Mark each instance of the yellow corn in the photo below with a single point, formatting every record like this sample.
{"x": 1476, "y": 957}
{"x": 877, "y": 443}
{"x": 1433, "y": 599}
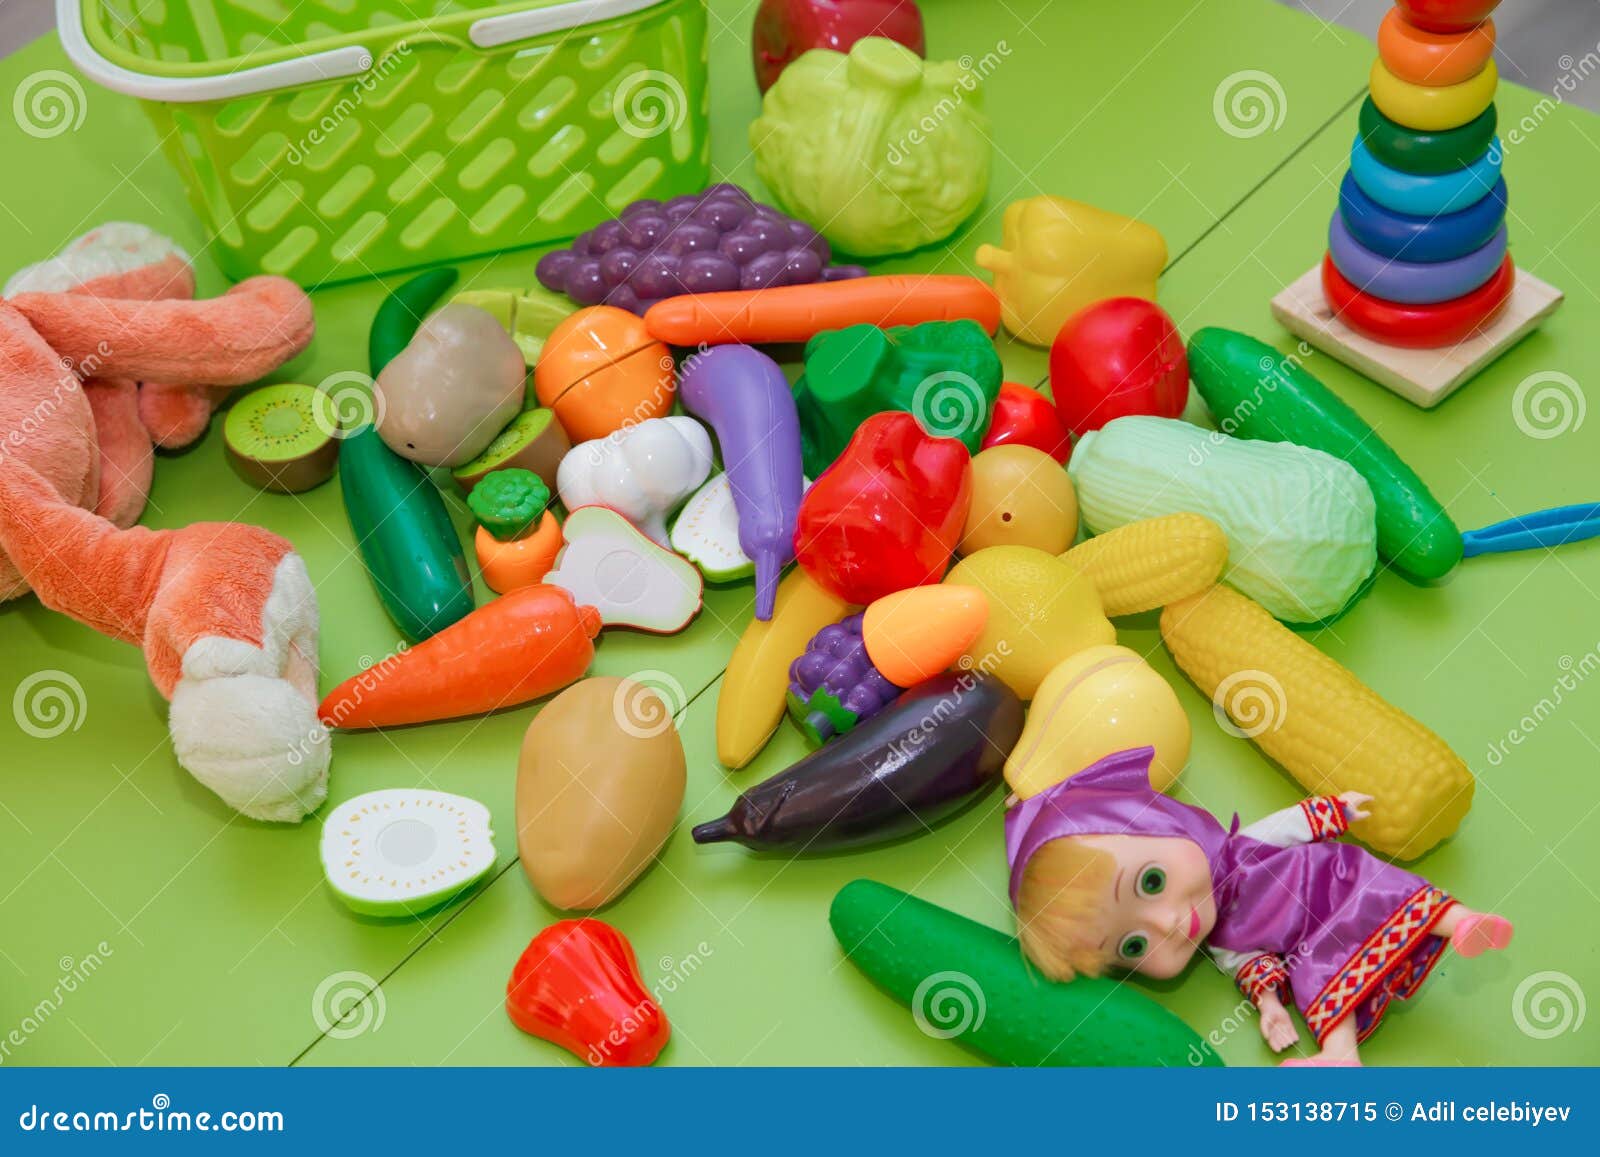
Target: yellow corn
{"x": 1328, "y": 729}
{"x": 1152, "y": 562}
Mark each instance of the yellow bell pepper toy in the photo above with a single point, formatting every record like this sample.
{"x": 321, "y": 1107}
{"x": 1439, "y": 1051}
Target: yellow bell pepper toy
{"x": 1057, "y": 256}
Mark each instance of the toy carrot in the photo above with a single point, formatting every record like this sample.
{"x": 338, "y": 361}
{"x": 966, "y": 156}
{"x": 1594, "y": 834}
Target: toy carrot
{"x": 523, "y": 645}
{"x": 518, "y": 539}
{"x": 791, "y": 313}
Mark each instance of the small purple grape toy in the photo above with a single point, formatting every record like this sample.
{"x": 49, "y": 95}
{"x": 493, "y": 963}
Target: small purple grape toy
{"x": 833, "y": 685}
{"x": 698, "y": 243}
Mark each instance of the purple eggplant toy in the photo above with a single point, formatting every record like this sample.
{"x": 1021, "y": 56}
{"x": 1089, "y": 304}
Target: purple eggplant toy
{"x": 745, "y": 398}
{"x": 833, "y": 684}
{"x": 934, "y": 751}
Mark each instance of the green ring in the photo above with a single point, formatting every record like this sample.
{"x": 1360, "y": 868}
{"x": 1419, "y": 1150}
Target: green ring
{"x": 1426, "y": 153}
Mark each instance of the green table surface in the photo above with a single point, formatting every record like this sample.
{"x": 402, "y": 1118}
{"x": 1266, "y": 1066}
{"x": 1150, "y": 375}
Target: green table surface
{"x": 213, "y": 940}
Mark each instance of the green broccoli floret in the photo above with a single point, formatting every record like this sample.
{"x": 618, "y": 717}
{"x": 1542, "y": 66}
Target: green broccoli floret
{"x": 507, "y": 503}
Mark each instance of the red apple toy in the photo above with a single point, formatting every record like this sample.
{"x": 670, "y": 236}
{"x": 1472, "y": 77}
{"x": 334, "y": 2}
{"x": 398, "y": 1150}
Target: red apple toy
{"x": 1024, "y": 417}
{"x": 786, "y": 28}
{"x": 1446, "y": 15}
{"x": 1114, "y": 358}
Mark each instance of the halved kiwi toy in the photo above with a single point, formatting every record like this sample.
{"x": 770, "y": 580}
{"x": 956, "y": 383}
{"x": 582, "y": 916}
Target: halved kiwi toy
{"x": 533, "y": 440}
{"x": 281, "y": 438}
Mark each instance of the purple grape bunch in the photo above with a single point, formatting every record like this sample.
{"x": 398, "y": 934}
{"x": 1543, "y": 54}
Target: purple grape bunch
{"x": 698, "y": 243}
{"x": 833, "y": 684}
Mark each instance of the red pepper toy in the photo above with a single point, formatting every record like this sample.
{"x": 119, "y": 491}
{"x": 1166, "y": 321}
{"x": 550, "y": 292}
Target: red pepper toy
{"x": 577, "y": 984}
{"x": 1025, "y": 417}
{"x": 888, "y": 513}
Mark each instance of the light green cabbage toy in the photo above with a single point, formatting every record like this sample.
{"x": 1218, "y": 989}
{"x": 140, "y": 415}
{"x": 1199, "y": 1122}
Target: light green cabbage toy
{"x": 1302, "y": 534}
{"x": 879, "y": 150}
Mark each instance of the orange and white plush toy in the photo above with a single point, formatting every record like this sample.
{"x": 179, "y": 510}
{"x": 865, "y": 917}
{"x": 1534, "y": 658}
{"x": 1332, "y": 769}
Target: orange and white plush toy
{"x": 103, "y": 355}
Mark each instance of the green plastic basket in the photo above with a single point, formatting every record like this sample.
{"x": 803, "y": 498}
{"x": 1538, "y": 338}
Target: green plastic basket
{"x": 327, "y": 140}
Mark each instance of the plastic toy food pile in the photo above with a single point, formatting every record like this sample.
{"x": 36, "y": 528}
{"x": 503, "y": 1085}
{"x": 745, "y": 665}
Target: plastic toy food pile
{"x": 1417, "y": 252}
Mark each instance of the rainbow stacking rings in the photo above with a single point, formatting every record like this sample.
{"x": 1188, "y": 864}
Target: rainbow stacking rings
{"x": 1418, "y": 56}
{"x": 1414, "y": 151}
{"x": 1420, "y": 239}
{"x": 1417, "y": 326}
{"x": 1412, "y": 282}
{"x": 1420, "y": 106}
{"x": 1424, "y": 196}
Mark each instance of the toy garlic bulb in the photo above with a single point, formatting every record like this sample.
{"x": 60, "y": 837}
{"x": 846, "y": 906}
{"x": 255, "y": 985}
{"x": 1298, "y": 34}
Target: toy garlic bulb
{"x": 643, "y": 472}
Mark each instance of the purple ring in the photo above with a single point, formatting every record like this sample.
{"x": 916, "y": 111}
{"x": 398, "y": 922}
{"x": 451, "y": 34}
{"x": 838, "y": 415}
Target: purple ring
{"x": 1412, "y": 282}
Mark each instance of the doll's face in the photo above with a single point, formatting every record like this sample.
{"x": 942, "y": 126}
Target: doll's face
{"x": 1159, "y": 906}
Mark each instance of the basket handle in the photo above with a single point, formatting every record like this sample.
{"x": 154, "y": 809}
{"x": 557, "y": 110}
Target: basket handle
{"x": 352, "y": 60}
{"x": 495, "y": 31}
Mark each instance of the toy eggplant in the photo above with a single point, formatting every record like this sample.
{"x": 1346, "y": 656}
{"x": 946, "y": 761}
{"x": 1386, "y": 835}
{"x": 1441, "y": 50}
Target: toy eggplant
{"x": 934, "y": 751}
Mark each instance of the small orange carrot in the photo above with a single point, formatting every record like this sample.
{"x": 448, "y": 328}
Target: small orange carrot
{"x": 522, "y": 645}
{"x": 791, "y": 313}
{"x": 518, "y": 562}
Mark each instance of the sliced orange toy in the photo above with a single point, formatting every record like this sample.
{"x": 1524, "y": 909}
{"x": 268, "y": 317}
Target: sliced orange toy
{"x": 914, "y": 634}
{"x": 601, "y": 370}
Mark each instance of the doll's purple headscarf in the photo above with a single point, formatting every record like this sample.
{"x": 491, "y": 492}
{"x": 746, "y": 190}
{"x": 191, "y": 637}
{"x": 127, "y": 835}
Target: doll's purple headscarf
{"x": 1110, "y": 797}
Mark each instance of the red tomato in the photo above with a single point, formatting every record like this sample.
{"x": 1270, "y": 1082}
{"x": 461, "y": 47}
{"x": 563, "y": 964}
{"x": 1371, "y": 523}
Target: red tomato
{"x": 1024, "y": 417}
{"x": 1114, "y": 358}
{"x": 1446, "y": 15}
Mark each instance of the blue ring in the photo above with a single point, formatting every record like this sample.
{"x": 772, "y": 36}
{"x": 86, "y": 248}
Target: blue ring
{"x": 1412, "y": 282}
{"x": 1391, "y": 234}
{"x": 1418, "y": 196}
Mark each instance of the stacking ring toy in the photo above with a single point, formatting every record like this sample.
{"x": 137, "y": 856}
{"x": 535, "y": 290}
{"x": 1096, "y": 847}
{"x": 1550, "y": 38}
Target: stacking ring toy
{"x": 1420, "y": 196}
{"x": 1415, "y": 151}
{"x": 1412, "y": 282}
{"x": 1420, "y": 239}
{"x": 1418, "y": 56}
{"x": 1421, "y": 107}
{"x": 1446, "y": 15}
{"x": 1417, "y": 327}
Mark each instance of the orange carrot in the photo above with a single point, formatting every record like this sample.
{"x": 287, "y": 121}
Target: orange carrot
{"x": 789, "y": 313}
{"x": 518, "y": 562}
{"x": 523, "y": 645}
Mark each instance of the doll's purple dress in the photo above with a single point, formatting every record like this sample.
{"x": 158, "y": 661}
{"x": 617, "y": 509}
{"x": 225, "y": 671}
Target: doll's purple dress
{"x": 1346, "y": 930}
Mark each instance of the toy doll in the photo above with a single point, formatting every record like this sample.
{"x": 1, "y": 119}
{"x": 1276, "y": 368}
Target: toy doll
{"x": 1106, "y": 872}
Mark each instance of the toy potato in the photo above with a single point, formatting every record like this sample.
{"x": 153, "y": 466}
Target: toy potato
{"x": 1108, "y": 873}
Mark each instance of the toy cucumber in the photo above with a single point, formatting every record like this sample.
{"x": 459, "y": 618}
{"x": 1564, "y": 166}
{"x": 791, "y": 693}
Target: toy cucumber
{"x": 968, "y": 982}
{"x": 1254, "y": 392}
{"x": 407, "y": 541}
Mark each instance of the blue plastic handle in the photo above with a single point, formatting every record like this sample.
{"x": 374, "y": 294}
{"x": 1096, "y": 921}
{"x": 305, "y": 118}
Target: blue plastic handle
{"x": 1542, "y": 528}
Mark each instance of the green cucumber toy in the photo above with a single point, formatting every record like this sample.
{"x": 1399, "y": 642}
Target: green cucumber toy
{"x": 966, "y": 981}
{"x": 1254, "y": 392}
{"x": 407, "y": 541}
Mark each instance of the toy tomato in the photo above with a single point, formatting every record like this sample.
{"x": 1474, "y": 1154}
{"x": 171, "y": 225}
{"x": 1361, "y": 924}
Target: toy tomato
{"x": 577, "y": 985}
{"x": 1114, "y": 358}
{"x": 1446, "y": 15}
{"x": 1024, "y": 417}
{"x": 888, "y": 513}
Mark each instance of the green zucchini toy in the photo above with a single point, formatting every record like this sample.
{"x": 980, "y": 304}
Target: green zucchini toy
{"x": 966, "y": 981}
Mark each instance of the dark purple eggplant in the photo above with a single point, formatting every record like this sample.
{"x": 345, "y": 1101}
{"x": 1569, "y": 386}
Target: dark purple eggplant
{"x": 934, "y": 750}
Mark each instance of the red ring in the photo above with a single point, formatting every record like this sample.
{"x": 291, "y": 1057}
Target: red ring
{"x": 1417, "y": 327}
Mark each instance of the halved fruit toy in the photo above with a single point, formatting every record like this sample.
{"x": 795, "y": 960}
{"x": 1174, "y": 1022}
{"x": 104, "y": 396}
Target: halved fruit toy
{"x": 533, "y": 440}
{"x": 403, "y": 852}
{"x": 706, "y": 532}
{"x": 283, "y": 438}
{"x": 611, "y": 565}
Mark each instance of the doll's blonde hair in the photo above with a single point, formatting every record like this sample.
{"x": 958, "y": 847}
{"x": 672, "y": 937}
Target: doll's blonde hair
{"x": 1059, "y": 904}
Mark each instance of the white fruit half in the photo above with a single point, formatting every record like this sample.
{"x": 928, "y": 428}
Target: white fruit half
{"x": 402, "y": 852}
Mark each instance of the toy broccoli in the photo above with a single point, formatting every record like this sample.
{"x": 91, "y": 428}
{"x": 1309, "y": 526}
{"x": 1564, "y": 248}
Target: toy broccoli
{"x": 507, "y": 503}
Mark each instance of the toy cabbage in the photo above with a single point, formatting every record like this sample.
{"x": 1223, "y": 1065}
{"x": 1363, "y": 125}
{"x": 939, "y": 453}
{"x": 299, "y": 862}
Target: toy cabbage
{"x": 879, "y": 150}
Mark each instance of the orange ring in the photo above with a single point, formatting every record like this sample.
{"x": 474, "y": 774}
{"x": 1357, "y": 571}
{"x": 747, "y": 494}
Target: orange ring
{"x": 1417, "y": 327}
{"x": 1434, "y": 59}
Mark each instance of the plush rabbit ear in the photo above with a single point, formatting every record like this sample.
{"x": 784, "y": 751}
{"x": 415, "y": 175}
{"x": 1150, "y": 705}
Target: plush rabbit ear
{"x": 227, "y": 341}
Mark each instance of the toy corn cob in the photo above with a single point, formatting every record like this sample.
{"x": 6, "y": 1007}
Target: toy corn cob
{"x": 1329, "y": 730}
{"x": 1152, "y": 562}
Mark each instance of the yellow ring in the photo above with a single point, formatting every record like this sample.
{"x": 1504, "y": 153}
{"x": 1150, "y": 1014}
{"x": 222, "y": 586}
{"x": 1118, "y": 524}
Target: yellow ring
{"x": 1431, "y": 109}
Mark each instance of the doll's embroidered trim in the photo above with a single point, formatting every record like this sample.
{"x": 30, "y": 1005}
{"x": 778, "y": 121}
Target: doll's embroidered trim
{"x": 1393, "y": 962}
{"x": 1325, "y": 816}
{"x": 1260, "y": 975}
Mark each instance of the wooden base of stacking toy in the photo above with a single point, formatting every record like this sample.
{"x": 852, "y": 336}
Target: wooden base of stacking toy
{"x": 1423, "y": 377}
